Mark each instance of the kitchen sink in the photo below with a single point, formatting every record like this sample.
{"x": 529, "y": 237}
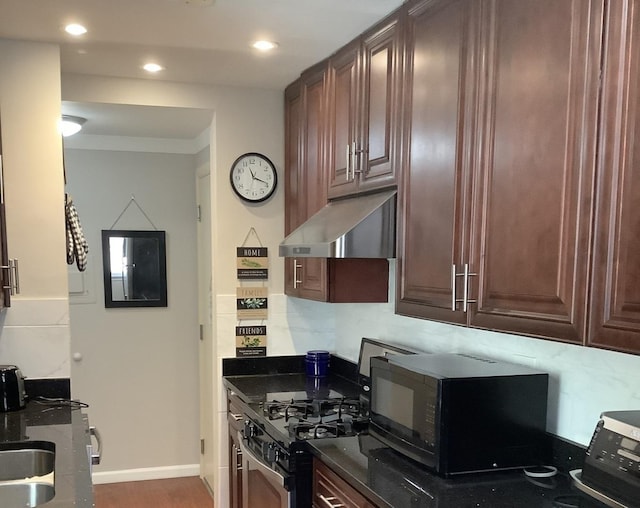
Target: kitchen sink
{"x": 27, "y": 470}
{"x": 25, "y": 495}
{"x": 26, "y": 459}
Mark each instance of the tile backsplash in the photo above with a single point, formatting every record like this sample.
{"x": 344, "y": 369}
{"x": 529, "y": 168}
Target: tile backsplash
{"x": 35, "y": 336}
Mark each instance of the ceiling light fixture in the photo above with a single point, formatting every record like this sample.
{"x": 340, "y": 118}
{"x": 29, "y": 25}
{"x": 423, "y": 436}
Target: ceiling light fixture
{"x": 75, "y": 29}
{"x": 265, "y": 45}
{"x": 70, "y": 125}
{"x": 152, "y": 67}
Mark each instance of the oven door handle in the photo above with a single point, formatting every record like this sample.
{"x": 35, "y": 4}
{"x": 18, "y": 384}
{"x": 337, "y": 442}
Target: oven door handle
{"x": 272, "y": 475}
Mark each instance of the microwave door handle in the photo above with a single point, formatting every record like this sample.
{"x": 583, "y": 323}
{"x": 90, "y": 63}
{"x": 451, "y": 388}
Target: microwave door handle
{"x": 273, "y": 476}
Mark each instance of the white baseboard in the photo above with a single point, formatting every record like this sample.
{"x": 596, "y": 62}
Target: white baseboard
{"x": 146, "y": 473}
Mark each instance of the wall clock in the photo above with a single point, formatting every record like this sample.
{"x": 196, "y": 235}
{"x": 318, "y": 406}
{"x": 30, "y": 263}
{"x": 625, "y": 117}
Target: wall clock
{"x": 253, "y": 177}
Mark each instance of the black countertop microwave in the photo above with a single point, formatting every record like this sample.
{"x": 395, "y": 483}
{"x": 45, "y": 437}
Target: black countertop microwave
{"x": 458, "y": 413}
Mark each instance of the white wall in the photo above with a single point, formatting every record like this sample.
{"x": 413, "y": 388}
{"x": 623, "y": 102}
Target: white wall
{"x": 139, "y": 365}
{"x": 584, "y": 381}
{"x": 245, "y": 120}
{"x": 34, "y": 332}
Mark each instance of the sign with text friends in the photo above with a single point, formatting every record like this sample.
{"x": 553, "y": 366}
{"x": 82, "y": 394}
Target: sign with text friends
{"x": 251, "y": 341}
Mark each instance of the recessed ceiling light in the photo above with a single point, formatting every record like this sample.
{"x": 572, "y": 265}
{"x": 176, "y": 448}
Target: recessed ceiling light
{"x": 70, "y": 125}
{"x": 75, "y": 29}
{"x": 152, "y": 67}
{"x": 265, "y": 45}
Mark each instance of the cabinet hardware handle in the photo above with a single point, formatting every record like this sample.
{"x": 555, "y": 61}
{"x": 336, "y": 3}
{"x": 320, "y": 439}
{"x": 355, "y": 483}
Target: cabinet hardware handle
{"x": 465, "y": 291}
{"x": 13, "y": 276}
{"x": 453, "y": 287}
{"x": 96, "y": 457}
{"x": 354, "y": 161}
{"x": 295, "y": 274}
{"x": 455, "y": 301}
{"x": 328, "y": 501}
{"x": 235, "y": 450}
{"x": 348, "y": 161}
{"x": 465, "y": 296}
{"x": 237, "y": 417}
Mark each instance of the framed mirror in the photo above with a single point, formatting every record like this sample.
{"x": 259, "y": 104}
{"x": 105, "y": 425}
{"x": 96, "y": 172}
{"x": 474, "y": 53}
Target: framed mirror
{"x": 135, "y": 268}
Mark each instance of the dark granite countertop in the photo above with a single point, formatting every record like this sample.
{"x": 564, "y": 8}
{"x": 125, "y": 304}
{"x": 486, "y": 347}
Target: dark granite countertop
{"x": 68, "y": 429}
{"x": 391, "y": 480}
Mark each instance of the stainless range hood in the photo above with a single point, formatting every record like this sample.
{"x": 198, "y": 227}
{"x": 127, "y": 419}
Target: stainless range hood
{"x": 358, "y": 227}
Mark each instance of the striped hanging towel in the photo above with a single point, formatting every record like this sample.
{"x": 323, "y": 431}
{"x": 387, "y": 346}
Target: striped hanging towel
{"x": 77, "y": 247}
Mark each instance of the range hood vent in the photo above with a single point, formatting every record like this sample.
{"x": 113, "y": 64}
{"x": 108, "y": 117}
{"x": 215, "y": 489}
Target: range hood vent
{"x": 358, "y": 227}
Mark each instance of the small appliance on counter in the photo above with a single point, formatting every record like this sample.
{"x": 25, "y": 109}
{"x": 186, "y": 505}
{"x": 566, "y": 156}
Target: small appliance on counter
{"x": 12, "y": 394}
{"x": 458, "y": 413}
{"x": 611, "y": 471}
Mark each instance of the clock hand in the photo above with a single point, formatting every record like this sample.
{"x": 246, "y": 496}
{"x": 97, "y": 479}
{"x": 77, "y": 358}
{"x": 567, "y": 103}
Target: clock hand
{"x": 260, "y": 180}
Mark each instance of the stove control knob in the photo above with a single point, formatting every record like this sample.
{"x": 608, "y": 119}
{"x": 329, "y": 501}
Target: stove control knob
{"x": 249, "y": 429}
{"x": 272, "y": 453}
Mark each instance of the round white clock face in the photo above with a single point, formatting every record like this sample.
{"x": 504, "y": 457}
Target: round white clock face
{"x": 253, "y": 177}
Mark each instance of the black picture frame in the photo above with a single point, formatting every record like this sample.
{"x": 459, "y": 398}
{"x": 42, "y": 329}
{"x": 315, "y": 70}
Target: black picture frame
{"x": 141, "y": 278}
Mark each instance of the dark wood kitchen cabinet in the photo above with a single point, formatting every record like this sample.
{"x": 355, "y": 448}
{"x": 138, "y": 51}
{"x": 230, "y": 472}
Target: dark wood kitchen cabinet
{"x": 329, "y": 490}
{"x": 364, "y": 111}
{"x": 615, "y": 297}
{"x": 497, "y": 192}
{"x": 5, "y": 263}
{"x": 235, "y": 421}
{"x": 332, "y": 280}
{"x": 305, "y": 178}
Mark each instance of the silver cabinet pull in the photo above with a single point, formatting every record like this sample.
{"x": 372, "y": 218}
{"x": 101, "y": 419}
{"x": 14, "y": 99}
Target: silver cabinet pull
{"x": 237, "y": 417}
{"x": 465, "y": 295}
{"x": 296, "y": 281}
{"x": 96, "y": 457}
{"x": 453, "y": 287}
{"x": 13, "y": 276}
{"x": 235, "y": 450}
{"x": 353, "y": 160}
{"x": 465, "y": 291}
{"x": 348, "y": 158}
{"x": 328, "y": 501}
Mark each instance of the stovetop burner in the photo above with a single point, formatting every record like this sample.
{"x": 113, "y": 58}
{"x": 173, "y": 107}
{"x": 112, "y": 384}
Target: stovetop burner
{"x": 318, "y": 418}
{"x": 311, "y": 408}
{"x": 326, "y": 428}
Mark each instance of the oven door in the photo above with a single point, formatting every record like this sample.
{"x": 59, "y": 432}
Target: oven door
{"x": 262, "y": 487}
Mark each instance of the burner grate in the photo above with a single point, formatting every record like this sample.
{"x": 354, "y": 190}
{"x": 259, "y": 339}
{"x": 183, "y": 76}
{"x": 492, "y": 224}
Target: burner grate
{"x": 311, "y": 408}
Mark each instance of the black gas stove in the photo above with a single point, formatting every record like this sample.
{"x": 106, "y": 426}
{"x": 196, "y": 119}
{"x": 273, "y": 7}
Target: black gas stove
{"x": 277, "y": 428}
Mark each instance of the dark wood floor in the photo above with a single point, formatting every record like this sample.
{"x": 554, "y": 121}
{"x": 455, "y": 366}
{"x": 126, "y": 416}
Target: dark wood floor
{"x": 170, "y": 493}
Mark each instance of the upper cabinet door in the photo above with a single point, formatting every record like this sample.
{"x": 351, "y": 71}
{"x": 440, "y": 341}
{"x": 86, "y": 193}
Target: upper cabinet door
{"x": 343, "y": 100}
{"x": 378, "y": 159}
{"x": 615, "y": 295}
{"x": 5, "y": 279}
{"x": 365, "y": 111}
{"x": 439, "y": 100}
{"x": 534, "y": 167}
{"x": 305, "y": 177}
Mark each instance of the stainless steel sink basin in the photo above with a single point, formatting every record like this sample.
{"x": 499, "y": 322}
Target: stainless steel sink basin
{"x": 27, "y": 473}
{"x": 26, "y": 459}
{"x": 25, "y": 495}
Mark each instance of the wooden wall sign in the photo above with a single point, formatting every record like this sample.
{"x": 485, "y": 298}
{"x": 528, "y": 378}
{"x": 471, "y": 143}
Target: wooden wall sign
{"x": 251, "y": 341}
{"x": 252, "y": 302}
{"x": 252, "y": 263}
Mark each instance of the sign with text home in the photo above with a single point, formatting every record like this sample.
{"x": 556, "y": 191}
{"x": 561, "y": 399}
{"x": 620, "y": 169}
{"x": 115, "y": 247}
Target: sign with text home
{"x": 252, "y": 263}
{"x": 251, "y": 341}
{"x": 251, "y": 302}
